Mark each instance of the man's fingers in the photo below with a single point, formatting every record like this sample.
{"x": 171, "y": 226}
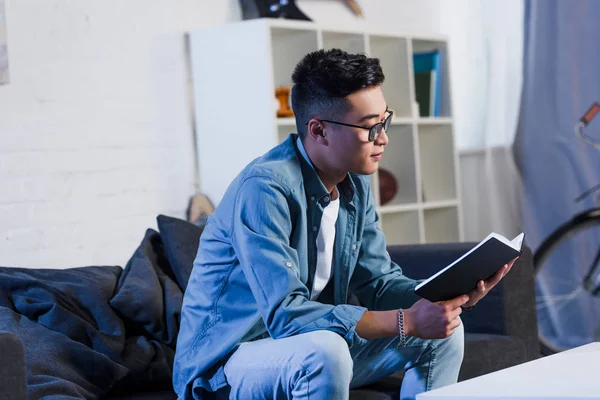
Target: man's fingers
{"x": 452, "y": 315}
{"x": 481, "y": 287}
{"x": 510, "y": 265}
{"x": 484, "y": 286}
{"x": 455, "y": 302}
{"x": 455, "y": 323}
{"x": 491, "y": 282}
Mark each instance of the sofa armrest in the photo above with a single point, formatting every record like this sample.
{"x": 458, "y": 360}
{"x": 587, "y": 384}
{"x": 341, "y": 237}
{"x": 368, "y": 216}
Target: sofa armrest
{"x": 13, "y": 375}
{"x": 509, "y": 308}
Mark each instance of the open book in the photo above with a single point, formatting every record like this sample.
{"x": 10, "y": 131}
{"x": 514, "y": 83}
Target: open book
{"x": 479, "y": 263}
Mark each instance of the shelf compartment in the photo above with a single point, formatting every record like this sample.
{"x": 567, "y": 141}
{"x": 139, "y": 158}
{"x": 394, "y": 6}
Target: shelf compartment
{"x": 398, "y": 208}
{"x": 441, "y": 225}
{"x": 401, "y": 227}
{"x": 374, "y": 186}
{"x": 287, "y": 121}
{"x": 426, "y": 45}
{"x": 289, "y": 46}
{"x": 283, "y": 131}
{"x": 350, "y": 42}
{"x": 393, "y": 55}
{"x": 436, "y": 155}
{"x": 399, "y": 160}
{"x": 440, "y": 204}
{"x": 435, "y": 121}
{"x": 401, "y": 120}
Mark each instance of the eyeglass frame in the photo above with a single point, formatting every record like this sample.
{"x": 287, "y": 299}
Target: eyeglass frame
{"x": 373, "y": 133}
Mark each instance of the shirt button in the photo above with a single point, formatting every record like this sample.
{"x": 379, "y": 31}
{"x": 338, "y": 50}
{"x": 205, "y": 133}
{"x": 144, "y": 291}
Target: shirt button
{"x": 312, "y": 198}
{"x": 326, "y": 199}
{"x": 354, "y": 246}
{"x": 288, "y": 264}
{"x": 315, "y": 228}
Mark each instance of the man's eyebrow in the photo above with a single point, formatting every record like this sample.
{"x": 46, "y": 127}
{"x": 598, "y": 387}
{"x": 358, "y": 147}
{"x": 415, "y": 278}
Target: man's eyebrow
{"x": 371, "y": 116}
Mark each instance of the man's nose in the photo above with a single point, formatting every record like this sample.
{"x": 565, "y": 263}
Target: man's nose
{"x": 383, "y": 138}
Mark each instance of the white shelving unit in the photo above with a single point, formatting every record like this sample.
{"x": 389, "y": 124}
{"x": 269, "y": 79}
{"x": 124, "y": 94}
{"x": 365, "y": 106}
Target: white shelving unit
{"x": 236, "y": 69}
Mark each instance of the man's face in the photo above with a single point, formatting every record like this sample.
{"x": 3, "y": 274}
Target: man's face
{"x": 349, "y": 148}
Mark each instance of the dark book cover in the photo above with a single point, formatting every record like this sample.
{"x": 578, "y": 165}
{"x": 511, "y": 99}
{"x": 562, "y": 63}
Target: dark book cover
{"x": 480, "y": 263}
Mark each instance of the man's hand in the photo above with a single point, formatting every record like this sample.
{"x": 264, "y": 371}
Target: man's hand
{"x": 427, "y": 320}
{"x": 483, "y": 287}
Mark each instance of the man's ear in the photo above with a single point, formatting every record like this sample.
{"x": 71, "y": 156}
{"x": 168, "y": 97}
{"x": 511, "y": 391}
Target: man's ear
{"x": 316, "y": 130}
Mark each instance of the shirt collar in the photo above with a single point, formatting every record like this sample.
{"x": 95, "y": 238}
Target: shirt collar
{"x": 315, "y": 189}
{"x": 303, "y": 152}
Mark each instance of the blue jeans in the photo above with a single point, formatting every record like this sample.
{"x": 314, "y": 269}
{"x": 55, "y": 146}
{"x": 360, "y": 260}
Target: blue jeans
{"x": 318, "y": 365}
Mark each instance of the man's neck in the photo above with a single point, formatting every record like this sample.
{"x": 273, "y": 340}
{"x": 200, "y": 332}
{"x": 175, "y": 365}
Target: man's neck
{"x": 329, "y": 178}
{"x": 329, "y": 181}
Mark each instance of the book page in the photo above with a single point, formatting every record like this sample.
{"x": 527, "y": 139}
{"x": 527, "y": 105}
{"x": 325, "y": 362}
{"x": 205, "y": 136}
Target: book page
{"x": 517, "y": 242}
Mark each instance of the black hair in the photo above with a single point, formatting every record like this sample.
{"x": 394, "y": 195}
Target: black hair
{"x": 323, "y": 79}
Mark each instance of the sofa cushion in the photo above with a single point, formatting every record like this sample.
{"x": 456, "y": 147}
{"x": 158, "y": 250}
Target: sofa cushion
{"x": 70, "y": 334}
{"x": 13, "y": 378}
{"x": 486, "y": 353}
{"x": 372, "y": 394}
{"x": 180, "y": 239}
{"x": 158, "y": 395}
{"x": 148, "y": 300}
{"x": 87, "y": 330}
{"x": 387, "y": 388}
{"x": 57, "y": 365}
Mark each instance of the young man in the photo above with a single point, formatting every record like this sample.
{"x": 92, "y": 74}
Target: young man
{"x": 265, "y": 309}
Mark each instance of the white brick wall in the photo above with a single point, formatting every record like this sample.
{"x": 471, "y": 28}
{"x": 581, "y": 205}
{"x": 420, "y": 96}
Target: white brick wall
{"x": 95, "y": 126}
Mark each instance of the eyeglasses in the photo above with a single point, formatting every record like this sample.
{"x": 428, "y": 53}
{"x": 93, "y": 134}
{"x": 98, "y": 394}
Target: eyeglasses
{"x": 374, "y": 131}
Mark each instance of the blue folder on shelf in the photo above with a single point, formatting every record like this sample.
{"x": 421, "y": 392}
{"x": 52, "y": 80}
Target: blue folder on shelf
{"x": 427, "y": 68}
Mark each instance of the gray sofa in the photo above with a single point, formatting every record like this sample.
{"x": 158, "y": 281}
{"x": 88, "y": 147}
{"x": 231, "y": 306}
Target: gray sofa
{"x": 500, "y": 332}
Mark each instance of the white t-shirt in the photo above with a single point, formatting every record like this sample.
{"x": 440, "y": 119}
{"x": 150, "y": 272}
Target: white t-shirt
{"x": 325, "y": 239}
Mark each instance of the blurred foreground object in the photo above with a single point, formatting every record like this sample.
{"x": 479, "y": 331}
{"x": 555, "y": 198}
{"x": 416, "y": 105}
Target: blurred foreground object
{"x": 199, "y": 208}
{"x": 272, "y": 9}
{"x": 355, "y": 7}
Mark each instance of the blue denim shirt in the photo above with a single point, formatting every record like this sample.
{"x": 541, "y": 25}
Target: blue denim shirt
{"x": 256, "y": 262}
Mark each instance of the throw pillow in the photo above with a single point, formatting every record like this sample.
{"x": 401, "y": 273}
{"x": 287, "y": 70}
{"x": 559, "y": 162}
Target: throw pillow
{"x": 180, "y": 239}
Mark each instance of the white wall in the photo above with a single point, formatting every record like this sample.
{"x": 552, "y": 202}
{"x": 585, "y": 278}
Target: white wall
{"x": 486, "y": 45}
{"x": 95, "y": 126}
{"x": 398, "y": 16}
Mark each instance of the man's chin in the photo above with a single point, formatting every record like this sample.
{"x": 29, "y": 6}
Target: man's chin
{"x": 366, "y": 170}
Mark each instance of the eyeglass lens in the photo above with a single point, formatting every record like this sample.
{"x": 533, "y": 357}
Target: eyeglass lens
{"x": 376, "y": 129}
